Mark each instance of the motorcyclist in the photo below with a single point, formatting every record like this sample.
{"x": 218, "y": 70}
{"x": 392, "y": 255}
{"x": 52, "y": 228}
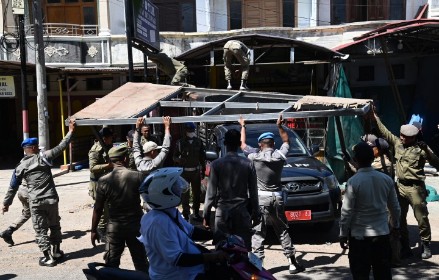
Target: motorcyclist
{"x": 167, "y": 236}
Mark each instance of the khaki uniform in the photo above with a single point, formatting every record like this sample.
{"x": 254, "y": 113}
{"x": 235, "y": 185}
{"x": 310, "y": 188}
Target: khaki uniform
{"x": 410, "y": 162}
{"x": 98, "y": 160}
{"x": 131, "y": 163}
{"x": 240, "y": 51}
{"x": 120, "y": 189}
{"x": 191, "y": 155}
{"x": 175, "y": 69}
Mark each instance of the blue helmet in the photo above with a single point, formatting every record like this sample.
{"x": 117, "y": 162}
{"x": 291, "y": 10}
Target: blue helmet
{"x": 265, "y": 135}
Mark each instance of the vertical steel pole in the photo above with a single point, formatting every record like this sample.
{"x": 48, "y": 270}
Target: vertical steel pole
{"x": 128, "y": 29}
{"x": 40, "y": 65}
{"x": 24, "y": 99}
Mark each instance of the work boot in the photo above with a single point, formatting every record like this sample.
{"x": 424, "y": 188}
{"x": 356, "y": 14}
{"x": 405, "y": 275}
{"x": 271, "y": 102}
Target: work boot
{"x": 57, "y": 253}
{"x": 7, "y": 236}
{"x": 426, "y": 251}
{"x": 47, "y": 260}
{"x": 295, "y": 266}
{"x": 243, "y": 85}
{"x": 229, "y": 86}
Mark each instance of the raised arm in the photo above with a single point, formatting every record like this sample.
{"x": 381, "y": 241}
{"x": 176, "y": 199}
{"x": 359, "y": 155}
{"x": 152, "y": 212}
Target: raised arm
{"x": 392, "y": 139}
{"x": 283, "y": 134}
{"x": 243, "y": 136}
{"x": 55, "y": 152}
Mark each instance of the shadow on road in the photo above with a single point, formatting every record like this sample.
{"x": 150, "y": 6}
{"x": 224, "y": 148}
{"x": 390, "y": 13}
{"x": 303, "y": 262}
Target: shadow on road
{"x": 8, "y": 276}
{"x": 84, "y": 253}
{"x": 74, "y": 234}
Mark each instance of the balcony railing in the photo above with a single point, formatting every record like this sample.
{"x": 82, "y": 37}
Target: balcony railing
{"x": 60, "y": 29}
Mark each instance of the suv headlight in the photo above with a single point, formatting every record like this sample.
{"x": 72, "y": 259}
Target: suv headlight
{"x": 331, "y": 182}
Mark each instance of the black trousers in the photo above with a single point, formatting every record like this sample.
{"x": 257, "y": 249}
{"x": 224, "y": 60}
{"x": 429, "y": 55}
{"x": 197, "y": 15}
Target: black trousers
{"x": 371, "y": 252}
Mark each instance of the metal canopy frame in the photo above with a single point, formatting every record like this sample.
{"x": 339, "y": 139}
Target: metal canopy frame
{"x": 285, "y": 106}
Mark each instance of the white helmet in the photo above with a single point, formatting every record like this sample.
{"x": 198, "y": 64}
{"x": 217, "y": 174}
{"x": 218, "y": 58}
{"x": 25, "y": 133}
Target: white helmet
{"x": 162, "y": 188}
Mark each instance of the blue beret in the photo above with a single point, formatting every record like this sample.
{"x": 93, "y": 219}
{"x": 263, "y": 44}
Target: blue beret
{"x": 266, "y": 135}
{"x": 190, "y": 125}
{"x": 29, "y": 142}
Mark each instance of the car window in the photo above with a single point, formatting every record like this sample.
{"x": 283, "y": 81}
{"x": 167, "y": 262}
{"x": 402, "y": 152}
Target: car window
{"x": 297, "y": 148}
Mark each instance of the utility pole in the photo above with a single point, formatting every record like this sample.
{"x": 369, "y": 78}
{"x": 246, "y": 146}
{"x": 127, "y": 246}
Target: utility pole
{"x": 18, "y": 9}
{"x": 128, "y": 29}
{"x": 40, "y": 65}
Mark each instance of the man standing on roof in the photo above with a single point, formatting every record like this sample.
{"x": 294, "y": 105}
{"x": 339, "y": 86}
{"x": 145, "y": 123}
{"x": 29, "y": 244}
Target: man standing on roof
{"x": 241, "y": 52}
{"x": 100, "y": 164}
{"x": 411, "y": 156}
{"x": 268, "y": 164}
{"x": 190, "y": 154}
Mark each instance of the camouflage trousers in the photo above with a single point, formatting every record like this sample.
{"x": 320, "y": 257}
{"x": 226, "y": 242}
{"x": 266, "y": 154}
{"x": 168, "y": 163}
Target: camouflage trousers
{"x": 45, "y": 217}
{"x": 242, "y": 59}
{"x": 23, "y": 196}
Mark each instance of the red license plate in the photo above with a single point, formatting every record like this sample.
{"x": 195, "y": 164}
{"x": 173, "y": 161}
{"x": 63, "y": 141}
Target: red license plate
{"x": 301, "y": 215}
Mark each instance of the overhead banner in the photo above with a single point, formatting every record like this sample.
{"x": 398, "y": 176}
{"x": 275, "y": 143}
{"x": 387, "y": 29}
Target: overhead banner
{"x": 146, "y": 24}
{"x": 7, "y": 86}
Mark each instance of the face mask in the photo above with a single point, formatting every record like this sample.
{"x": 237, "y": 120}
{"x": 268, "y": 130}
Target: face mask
{"x": 190, "y": 134}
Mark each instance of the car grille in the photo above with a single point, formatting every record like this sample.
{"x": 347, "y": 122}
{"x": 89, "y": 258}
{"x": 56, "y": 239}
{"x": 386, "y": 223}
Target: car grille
{"x": 306, "y": 186}
{"x": 314, "y": 208}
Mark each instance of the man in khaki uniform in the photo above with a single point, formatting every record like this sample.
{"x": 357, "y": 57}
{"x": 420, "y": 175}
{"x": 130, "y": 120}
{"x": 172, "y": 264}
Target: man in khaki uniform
{"x": 120, "y": 190}
{"x": 410, "y": 156}
{"x": 190, "y": 154}
{"x": 240, "y": 51}
{"x": 100, "y": 165}
{"x": 175, "y": 69}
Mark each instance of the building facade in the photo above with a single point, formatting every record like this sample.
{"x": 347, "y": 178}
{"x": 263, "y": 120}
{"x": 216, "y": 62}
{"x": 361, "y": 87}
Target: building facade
{"x": 86, "y": 40}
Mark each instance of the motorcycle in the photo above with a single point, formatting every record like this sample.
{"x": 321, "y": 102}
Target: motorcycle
{"x": 241, "y": 265}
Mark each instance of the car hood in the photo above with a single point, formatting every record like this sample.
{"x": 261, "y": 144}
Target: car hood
{"x": 305, "y": 166}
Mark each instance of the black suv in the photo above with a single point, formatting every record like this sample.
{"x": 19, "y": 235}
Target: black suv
{"x": 311, "y": 191}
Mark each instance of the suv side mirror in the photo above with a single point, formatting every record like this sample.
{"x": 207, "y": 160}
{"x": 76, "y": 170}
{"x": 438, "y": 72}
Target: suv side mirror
{"x": 315, "y": 149}
{"x": 211, "y": 155}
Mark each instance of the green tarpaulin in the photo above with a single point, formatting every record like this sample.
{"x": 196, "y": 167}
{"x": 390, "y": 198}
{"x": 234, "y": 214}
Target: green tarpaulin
{"x": 352, "y": 131}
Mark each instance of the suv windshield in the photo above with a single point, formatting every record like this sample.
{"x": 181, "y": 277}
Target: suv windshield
{"x": 297, "y": 148}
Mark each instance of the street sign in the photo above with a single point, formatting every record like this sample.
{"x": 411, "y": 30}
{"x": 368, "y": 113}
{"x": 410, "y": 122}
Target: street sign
{"x": 7, "y": 86}
{"x": 18, "y": 7}
{"x": 146, "y": 24}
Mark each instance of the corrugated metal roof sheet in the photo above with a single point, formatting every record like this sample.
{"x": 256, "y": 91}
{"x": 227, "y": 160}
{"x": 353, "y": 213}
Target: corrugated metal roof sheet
{"x": 128, "y": 101}
{"x": 314, "y": 52}
{"x": 401, "y": 29}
